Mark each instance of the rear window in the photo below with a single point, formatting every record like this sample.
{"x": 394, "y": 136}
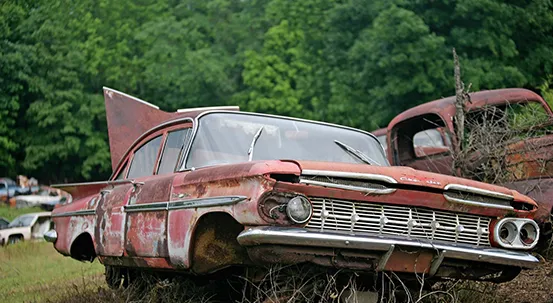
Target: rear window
{"x": 144, "y": 159}
{"x": 171, "y": 152}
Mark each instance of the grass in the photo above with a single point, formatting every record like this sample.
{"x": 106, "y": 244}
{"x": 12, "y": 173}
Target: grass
{"x": 36, "y": 272}
{"x": 11, "y": 213}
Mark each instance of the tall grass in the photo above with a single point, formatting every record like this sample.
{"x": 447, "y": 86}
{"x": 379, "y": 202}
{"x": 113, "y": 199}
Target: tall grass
{"x": 34, "y": 272}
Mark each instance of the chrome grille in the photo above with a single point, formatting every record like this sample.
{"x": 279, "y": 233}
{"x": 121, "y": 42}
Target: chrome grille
{"x": 477, "y": 198}
{"x": 342, "y": 181}
{"x": 411, "y": 222}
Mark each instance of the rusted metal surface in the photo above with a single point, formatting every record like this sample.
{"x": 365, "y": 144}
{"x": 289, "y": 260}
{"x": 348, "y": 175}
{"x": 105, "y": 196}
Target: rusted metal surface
{"x": 445, "y": 107}
{"x": 540, "y": 190}
{"x": 195, "y": 184}
{"x": 215, "y": 244}
{"x": 110, "y": 218}
{"x": 73, "y": 225}
{"x": 146, "y": 231}
{"x": 531, "y": 158}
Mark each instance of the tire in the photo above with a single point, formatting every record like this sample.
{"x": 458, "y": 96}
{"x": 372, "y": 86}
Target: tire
{"x": 14, "y": 239}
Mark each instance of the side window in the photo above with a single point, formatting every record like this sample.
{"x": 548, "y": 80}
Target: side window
{"x": 121, "y": 174}
{"x": 173, "y": 147}
{"x": 144, "y": 159}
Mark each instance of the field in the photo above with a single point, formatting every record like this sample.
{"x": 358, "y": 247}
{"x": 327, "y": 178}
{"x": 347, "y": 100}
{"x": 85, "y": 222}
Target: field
{"x": 36, "y": 272}
{"x": 11, "y": 213}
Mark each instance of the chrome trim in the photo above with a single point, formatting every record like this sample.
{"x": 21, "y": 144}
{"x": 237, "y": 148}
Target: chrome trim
{"x": 303, "y": 237}
{"x": 111, "y": 90}
{"x": 214, "y": 201}
{"x": 349, "y": 187}
{"x": 197, "y": 119}
{"x": 184, "y": 204}
{"x": 156, "y": 206}
{"x": 51, "y": 236}
{"x": 517, "y": 244}
{"x": 225, "y": 107}
{"x": 86, "y": 212}
{"x": 476, "y": 203}
{"x": 106, "y": 183}
{"x": 340, "y": 174}
{"x": 478, "y": 191}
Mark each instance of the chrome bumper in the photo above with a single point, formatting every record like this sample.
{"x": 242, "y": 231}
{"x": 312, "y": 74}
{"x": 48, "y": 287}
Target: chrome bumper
{"x": 303, "y": 237}
{"x": 51, "y": 236}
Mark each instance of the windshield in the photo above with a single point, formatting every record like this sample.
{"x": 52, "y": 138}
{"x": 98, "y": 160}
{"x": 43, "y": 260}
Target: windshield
{"x": 233, "y": 137}
{"x": 22, "y": 221}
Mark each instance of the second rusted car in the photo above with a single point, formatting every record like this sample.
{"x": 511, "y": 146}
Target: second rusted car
{"x": 198, "y": 191}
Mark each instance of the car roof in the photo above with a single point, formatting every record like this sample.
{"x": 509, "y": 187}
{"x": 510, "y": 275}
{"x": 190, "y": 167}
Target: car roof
{"x": 478, "y": 99}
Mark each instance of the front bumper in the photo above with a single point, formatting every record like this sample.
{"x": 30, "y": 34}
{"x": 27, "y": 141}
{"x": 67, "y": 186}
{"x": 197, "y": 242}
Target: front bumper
{"x": 51, "y": 236}
{"x": 302, "y": 237}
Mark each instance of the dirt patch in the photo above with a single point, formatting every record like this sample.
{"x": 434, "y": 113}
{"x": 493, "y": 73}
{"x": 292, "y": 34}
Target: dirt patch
{"x": 532, "y": 286}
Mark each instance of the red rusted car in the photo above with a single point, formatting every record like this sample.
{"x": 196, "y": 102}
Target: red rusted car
{"x": 423, "y": 137}
{"x": 201, "y": 190}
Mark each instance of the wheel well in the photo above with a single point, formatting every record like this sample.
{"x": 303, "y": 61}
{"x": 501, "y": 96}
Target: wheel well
{"x": 16, "y": 236}
{"x": 82, "y": 248}
{"x": 215, "y": 246}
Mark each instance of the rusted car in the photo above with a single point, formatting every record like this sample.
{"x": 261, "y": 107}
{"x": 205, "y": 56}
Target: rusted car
{"x": 201, "y": 190}
{"x": 529, "y": 158}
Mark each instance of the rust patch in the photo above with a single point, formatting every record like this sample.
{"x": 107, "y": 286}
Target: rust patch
{"x": 146, "y": 234}
{"x": 410, "y": 261}
{"x": 215, "y": 244}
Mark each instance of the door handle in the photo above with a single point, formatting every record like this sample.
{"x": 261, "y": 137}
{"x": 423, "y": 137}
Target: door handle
{"x": 135, "y": 185}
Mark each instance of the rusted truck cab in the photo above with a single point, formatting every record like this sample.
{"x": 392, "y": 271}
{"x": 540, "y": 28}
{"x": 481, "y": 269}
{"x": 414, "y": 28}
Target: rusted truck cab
{"x": 204, "y": 190}
{"x": 423, "y": 138}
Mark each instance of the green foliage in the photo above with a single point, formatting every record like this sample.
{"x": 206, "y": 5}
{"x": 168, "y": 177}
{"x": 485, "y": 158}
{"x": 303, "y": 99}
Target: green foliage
{"x": 353, "y": 62}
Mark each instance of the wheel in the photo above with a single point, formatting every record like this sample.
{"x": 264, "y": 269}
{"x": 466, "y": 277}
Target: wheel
{"x": 114, "y": 276}
{"x": 13, "y": 240}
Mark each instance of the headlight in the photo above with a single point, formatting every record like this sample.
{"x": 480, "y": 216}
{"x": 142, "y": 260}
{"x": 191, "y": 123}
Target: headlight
{"x": 299, "y": 209}
{"x": 529, "y": 233}
{"x": 517, "y": 233}
{"x": 508, "y": 233}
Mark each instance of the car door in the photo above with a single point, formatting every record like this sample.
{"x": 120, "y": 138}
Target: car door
{"x": 111, "y": 214}
{"x": 110, "y": 218}
{"x": 147, "y": 211}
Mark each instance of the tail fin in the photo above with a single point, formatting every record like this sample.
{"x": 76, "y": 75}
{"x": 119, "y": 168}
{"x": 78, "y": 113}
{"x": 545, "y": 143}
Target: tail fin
{"x": 128, "y": 118}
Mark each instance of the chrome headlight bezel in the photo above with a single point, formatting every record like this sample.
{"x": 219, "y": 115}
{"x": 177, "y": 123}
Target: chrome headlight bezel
{"x": 515, "y": 225}
{"x": 299, "y": 201}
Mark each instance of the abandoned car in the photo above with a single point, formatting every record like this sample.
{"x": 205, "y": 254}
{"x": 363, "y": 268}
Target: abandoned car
{"x": 4, "y": 223}
{"x": 26, "y": 227}
{"x": 423, "y": 138}
{"x": 201, "y": 190}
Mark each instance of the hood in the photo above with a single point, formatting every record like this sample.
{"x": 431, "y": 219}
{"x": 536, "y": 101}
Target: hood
{"x": 411, "y": 177}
